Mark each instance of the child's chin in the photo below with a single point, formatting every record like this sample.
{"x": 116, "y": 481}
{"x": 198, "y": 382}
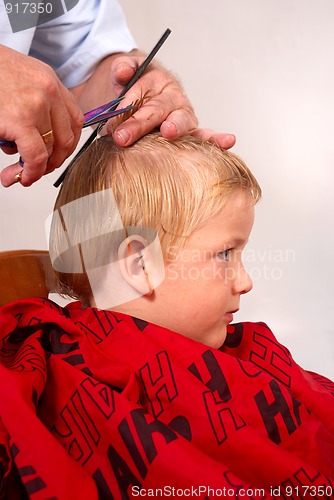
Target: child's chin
{"x": 217, "y": 339}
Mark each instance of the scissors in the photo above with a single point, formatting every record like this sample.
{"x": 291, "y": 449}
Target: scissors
{"x": 97, "y": 115}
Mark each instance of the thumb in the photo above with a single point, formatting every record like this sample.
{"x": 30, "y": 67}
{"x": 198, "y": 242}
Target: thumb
{"x": 123, "y": 69}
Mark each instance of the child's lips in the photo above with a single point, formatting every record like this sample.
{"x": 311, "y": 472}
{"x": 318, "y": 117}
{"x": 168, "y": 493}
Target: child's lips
{"x": 229, "y": 315}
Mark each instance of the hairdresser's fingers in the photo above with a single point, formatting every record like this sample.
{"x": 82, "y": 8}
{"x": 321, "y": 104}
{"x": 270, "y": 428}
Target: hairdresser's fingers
{"x": 67, "y": 129}
{"x": 122, "y": 70}
{"x": 35, "y": 151}
{"x": 224, "y": 141}
{"x": 66, "y": 120}
{"x": 11, "y": 175}
{"x": 169, "y": 109}
{"x": 41, "y": 155}
{"x": 37, "y": 113}
{"x": 166, "y": 102}
{"x": 178, "y": 123}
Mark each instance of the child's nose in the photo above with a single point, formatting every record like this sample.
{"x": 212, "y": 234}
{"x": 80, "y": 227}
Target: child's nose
{"x": 243, "y": 283}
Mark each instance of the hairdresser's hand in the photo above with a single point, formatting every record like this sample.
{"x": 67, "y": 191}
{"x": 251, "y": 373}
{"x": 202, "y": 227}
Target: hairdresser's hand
{"x": 167, "y": 105}
{"x": 32, "y": 102}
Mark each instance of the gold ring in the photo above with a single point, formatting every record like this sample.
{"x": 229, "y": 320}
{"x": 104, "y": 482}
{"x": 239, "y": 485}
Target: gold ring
{"x": 18, "y": 176}
{"x": 47, "y": 137}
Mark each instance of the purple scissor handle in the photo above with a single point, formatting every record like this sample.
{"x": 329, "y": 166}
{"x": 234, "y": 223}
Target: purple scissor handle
{"x": 98, "y": 115}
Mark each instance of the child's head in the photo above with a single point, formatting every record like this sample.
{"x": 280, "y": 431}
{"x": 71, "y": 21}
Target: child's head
{"x": 197, "y": 198}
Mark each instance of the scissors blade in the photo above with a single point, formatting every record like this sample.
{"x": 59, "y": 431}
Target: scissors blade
{"x": 106, "y": 116}
{"x": 102, "y": 109}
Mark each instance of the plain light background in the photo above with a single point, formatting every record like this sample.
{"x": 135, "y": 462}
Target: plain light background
{"x": 263, "y": 70}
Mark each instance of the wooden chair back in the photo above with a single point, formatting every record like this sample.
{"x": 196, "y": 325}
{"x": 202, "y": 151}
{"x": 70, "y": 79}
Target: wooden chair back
{"x": 25, "y": 273}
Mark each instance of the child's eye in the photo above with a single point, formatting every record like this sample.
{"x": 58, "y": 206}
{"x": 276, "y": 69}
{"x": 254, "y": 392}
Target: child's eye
{"x": 225, "y": 254}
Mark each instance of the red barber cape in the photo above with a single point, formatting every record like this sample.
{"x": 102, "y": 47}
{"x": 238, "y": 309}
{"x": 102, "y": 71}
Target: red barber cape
{"x": 99, "y": 405}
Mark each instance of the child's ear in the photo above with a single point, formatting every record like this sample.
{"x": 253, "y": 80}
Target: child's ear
{"x": 133, "y": 258}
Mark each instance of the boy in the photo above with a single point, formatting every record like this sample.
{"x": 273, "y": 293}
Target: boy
{"x": 150, "y": 391}
{"x": 117, "y": 205}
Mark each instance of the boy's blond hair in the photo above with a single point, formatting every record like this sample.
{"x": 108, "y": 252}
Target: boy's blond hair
{"x": 170, "y": 186}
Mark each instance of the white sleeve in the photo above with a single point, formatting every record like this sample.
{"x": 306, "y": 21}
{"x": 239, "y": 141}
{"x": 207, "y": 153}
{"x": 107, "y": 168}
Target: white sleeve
{"x": 20, "y": 41}
{"x": 74, "y": 43}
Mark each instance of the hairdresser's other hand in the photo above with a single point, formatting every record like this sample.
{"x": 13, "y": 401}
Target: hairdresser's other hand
{"x": 167, "y": 105}
{"x": 32, "y": 102}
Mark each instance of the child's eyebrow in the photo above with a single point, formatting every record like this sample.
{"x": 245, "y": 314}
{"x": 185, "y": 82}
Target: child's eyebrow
{"x": 236, "y": 242}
